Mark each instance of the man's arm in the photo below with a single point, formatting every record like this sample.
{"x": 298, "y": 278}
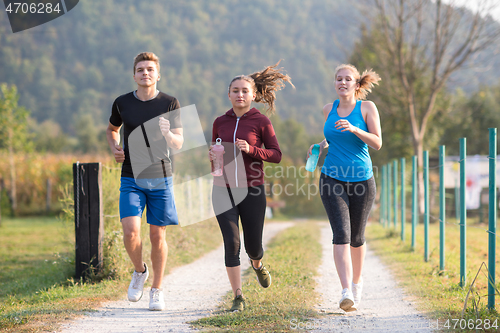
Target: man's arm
{"x": 174, "y": 136}
{"x": 113, "y": 136}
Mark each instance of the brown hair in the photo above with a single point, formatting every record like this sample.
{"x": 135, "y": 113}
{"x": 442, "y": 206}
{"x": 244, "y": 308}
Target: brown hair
{"x": 265, "y": 83}
{"x": 147, "y": 56}
{"x": 366, "y": 80}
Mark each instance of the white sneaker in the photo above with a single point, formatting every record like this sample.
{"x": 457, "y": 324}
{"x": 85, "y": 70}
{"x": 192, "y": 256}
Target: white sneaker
{"x": 156, "y": 300}
{"x": 137, "y": 285}
{"x": 357, "y": 289}
{"x": 347, "y": 300}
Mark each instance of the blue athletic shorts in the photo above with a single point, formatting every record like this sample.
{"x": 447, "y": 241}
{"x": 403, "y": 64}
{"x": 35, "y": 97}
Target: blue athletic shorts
{"x": 155, "y": 194}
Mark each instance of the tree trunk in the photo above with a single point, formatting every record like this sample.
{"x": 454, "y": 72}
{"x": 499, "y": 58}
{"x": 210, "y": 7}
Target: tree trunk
{"x": 419, "y": 151}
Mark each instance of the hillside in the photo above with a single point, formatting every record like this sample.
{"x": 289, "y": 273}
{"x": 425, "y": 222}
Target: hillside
{"x": 78, "y": 64}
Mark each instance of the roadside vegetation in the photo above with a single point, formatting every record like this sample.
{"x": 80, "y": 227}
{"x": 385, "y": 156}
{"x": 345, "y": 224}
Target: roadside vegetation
{"x": 437, "y": 292}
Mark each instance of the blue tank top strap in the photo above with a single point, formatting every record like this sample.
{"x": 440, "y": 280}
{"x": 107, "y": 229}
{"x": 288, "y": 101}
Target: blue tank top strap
{"x": 357, "y": 108}
{"x": 334, "y": 107}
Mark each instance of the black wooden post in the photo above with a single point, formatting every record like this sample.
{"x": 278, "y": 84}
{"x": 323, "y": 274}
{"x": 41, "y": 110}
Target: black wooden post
{"x": 48, "y": 197}
{"x": 89, "y": 221}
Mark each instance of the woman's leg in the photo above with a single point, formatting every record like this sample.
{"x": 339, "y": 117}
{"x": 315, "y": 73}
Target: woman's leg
{"x": 336, "y": 203}
{"x": 361, "y": 198}
{"x": 234, "y": 275}
{"x": 342, "y": 258}
{"x": 358, "y": 260}
{"x": 228, "y": 219}
{"x": 253, "y": 212}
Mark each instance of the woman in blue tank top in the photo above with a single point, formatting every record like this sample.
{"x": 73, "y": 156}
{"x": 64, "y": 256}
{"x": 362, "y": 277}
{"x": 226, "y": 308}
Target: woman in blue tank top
{"x": 347, "y": 186}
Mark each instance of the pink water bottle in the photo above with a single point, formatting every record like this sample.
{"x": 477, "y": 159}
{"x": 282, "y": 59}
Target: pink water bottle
{"x": 218, "y": 162}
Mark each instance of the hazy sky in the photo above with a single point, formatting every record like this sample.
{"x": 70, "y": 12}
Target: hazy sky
{"x": 472, "y": 4}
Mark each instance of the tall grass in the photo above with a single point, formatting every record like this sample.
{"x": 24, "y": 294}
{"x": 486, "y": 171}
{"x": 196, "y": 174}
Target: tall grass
{"x": 32, "y": 173}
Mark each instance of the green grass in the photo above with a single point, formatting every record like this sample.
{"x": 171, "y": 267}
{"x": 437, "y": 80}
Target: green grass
{"x": 293, "y": 258}
{"x": 34, "y": 251}
{"x": 438, "y": 292}
{"x": 35, "y": 270}
{"x": 37, "y": 288}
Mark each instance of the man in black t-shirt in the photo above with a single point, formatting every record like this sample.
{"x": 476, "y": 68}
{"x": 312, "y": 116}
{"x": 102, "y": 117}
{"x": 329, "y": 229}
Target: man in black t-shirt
{"x": 151, "y": 122}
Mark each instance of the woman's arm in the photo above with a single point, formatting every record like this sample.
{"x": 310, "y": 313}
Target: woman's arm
{"x": 271, "y": 153}
{"x": 373, "y": 137}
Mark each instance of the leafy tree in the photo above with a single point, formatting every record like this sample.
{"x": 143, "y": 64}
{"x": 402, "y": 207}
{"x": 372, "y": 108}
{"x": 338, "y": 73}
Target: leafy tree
{"x": 293, "y": 139}
{"x": 91, "y": 137}
{"x": 48, "y": 136}
{"x": 471, "y": 117}
{"x": 396, "y": 125}
{"x": 14, "y": 135}
{"x": 79, "y": 63}
{"x": 416, "y": 54}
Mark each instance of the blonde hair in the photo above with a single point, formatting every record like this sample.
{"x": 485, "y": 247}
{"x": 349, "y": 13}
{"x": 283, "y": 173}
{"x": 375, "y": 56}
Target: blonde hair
{"x": 265, "y": 84}
{"x": 147, "y": 56}
{"x": 365, "y": 80}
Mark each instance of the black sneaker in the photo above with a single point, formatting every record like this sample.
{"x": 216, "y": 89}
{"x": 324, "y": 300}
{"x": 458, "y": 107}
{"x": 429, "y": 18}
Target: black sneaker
{"x": 263, "y": 275}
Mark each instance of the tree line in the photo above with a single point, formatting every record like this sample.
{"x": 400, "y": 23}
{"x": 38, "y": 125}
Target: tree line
{"x": 68, "y": 73}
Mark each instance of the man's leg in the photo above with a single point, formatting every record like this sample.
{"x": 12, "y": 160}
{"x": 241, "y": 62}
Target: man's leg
{"x": 159, "y": 253}
{"x": 132, "y": 240}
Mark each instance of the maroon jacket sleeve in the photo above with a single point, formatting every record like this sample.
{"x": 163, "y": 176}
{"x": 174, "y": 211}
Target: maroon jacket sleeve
{"x": 215, "y": 133}
{"x": 272, "y": 151}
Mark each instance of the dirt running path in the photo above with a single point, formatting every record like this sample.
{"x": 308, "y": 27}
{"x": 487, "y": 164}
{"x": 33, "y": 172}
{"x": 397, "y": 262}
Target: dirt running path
{"x": 384, "y": 306}
{"x": 191, "y": 292}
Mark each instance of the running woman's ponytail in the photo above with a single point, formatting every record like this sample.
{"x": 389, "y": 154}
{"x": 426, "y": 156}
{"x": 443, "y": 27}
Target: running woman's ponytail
{"x": 366, "y": 81}
{"x": 265, "y": 84}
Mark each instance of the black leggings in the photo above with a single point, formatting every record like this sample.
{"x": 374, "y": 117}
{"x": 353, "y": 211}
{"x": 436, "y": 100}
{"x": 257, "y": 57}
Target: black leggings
{"x": 347, "y": 205}
{"x": 232, "y": 204}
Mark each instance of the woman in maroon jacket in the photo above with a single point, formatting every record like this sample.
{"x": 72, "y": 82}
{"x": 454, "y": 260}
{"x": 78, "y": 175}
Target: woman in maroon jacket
{"x": 239, "y": 193}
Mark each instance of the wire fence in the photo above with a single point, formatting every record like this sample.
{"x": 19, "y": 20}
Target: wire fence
{"x": 389, "y": 204}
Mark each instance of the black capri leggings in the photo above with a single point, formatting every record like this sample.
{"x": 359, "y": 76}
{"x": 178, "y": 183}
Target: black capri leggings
{"x": 347, "y": 205}
{"x": 232, "y": 204}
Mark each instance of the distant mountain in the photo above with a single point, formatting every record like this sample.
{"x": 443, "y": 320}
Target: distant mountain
{"x": 79, "y": 63}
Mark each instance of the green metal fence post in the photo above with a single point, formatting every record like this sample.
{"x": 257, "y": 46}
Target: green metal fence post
{"x": 387, "y": 203}
{"x": 426, "y": 205}
{"x": 395, "y": 191}
{"x": 382, "y": 196}
{"x": 414, "y": 203}
{"x": 492, "y": 216}
{"x": 403, "y": 198}
{"x": 442, "y": 206}
{"x": 457, "y": 199}
{"x": 463, "y": 212}
{"x": 389, "y": 188}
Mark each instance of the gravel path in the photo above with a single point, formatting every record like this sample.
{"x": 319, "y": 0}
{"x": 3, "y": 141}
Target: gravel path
{"x": 195, "y": 290}
{"x": 384, "y": 306}
{"x": 191, "y": 292}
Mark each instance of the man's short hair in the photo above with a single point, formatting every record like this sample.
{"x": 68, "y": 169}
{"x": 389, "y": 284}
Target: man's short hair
{"x": 147, "y": 56}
